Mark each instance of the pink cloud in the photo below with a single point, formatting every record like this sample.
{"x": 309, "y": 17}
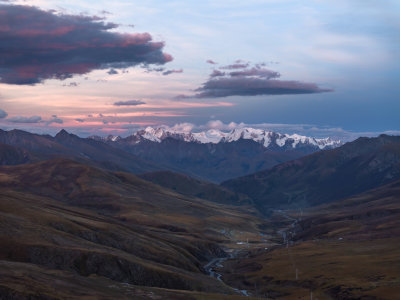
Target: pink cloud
{"x": 39, "y": 45}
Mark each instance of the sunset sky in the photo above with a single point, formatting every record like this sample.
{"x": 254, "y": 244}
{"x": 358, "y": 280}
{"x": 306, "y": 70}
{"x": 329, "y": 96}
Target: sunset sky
{"x": 321, "y": 68}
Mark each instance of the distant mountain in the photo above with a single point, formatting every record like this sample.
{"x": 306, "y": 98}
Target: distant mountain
{"x": 268, "y": 139}
{"x": 189, "y": 186}
{"x": 325, "y": 176}
{"x": 215, "y": 155}
{"x": 10, "y": 155}
{"x": 36, "y": 147}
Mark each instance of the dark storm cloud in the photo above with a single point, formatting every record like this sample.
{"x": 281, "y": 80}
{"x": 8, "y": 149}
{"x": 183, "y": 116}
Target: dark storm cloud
{"x": 38, "y": 45}
{"x": 19, "y": 119}
{"x": 250, "y": 82}
{"x": 3, "y": 114}
{"x": 168, "y": 72}
{"x": 129, "y": 103}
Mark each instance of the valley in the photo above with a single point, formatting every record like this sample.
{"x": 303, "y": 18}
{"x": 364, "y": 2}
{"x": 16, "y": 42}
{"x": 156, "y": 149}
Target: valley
{"x": 72, "y": 227}
{"x": 199, "y": 150}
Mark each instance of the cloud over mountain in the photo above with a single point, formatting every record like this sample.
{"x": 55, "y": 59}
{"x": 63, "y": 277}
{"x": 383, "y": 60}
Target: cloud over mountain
{"x": 3, "y": 114}
{"x": 39, "y": 45}
{"x": 20, "y": 119}
{"x": 250, "y": 81}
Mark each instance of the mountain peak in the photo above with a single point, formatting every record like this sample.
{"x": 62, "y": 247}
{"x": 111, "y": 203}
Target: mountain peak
{"x": 61, "y": 133}
{"x": 215, "y": 136}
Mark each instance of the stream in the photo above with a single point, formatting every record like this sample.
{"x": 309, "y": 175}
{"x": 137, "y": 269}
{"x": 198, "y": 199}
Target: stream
{"x": 217, "y": 262}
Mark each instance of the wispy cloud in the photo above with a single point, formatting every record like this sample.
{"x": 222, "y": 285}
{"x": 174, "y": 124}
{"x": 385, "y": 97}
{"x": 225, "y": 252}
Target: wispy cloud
{"x": 168, "y": 72}
{"x": 129, "y": 103}
{"x": 20, "y": 119}
{"x": 39, "y": 45}
{"x": 210, "y": 61}
{"x": 55, "y": 120}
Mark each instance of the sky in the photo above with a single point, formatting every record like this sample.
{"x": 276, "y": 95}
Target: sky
{"x": 318, "y": 67}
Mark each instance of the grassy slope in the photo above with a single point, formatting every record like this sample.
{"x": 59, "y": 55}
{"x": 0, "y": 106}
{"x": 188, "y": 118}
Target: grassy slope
{"x": 325, "y": 176}
{"x": 84, "y": 221}
{"x": 189, "y": 186}
{"x": 346, "y": 250}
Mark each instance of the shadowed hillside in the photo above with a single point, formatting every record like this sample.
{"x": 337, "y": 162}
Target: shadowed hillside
{"x": 343, "y": 250}
{"x": 86, "y": 222}
{"x": 212, "y": 162}
{"x": 66, "y": 145}
{"x": 325, "y": 176}
{"x": 189, "y": 186}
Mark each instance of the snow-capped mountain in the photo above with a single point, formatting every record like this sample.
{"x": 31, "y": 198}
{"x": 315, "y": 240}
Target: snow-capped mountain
{"x": 217, "y": 155}
{"x": 267, "y": 138}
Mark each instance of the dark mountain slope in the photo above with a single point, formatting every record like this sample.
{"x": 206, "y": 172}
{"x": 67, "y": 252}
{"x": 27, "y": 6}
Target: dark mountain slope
{"x": 347, "y": 249}
{"x": 65, "y": 145}
{"x": 211, "y": 162}
{"x": 325, "y": 176}
{"x": 10, "y": 155}
{"x": 189, "y": 186}
{"x": 89, "y": 223}
{"x": 374, "y": 214}
{"x": 41, "y": 145}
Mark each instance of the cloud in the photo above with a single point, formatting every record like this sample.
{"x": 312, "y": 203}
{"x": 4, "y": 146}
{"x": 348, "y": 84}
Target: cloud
{"x": 252, "y": 81}
{"x": 71, "y": 84}
{"x": 112, "y": 72}
{"x": 80, "y": 120}
{"x": 235, "y": 66}
{"x": 260, "y": 72}
{"x": 54, "y": 120}
{"x": 20, "y": 119}
{"x": 182, "y": 127}
{"x": 217, "y": 124}
{"x": 168, "y": 72}
{"x": 39, "y": 45}
{"x": 3, "y": 114}
{"x": 217, "y": 73}
{"x": 129, "y": 103}
{"x": 210, "y": 61}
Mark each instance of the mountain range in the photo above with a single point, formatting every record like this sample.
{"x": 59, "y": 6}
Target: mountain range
{"x": 268, "y": 139}
{"x": 214, "y": 155}
{"x": 326, "y": 176}
{"x": 95, "y": 218}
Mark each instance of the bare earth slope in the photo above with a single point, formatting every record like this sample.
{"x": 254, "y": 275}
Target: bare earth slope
{"x": 83, "y": 224}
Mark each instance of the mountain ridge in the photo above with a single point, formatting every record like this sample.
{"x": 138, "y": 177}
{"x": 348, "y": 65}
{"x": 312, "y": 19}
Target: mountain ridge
{"x": 265, "y": 137}
{"x": 324, "y": 176}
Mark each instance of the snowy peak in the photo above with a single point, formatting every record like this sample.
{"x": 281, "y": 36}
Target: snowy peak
{"x": 269, "y": 139}
{"x": 109, "y": 138}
